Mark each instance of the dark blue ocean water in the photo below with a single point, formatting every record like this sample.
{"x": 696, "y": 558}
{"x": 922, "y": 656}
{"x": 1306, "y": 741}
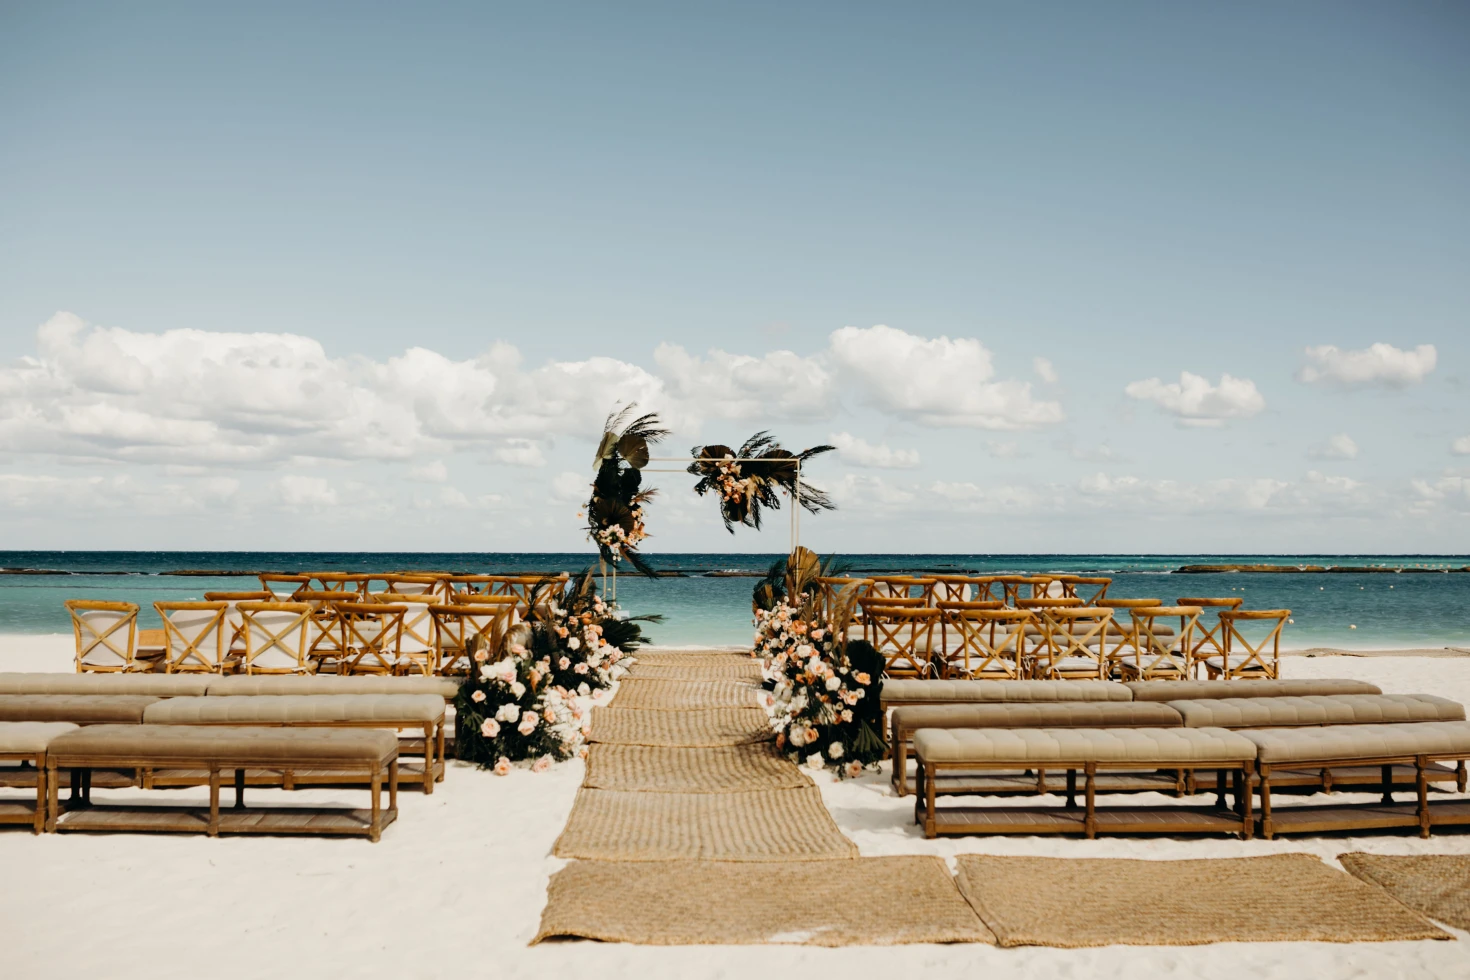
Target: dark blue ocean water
{"x": 1430, "y": 609}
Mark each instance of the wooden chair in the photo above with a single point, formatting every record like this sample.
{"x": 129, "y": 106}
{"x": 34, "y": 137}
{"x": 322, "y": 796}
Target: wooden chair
{"x": 324, "y": 632}
{"x": 463, "y": 585}
{"x": 1072, "y": 642}
{"x": 283, "y": 587}
{"x": 1158, "y": 653}
{"x": 987, "y": 588}
{"x": 276, "y": 637}
{"x": 371, "y": 632}
{"x": 1072, "y": 583}
{"x": 106, "y": 635}
{"x": 1119, "y": 640}
{"x": 339, "y": 582}
{"x": 954, "y": 588}
{"x": 1210, "y": 640}
{"x": 196, "y": 636}
{"x": 1017, "y": 587}
{"x": 412, "y": 583}
{"x": 418, "y": 647}
{"x": 1243, "y": 659}
{"x": 902, "y": 634}
{"x": 991, "y": 640}
{"x": 903, "y": 587}
{"x": 827, "y": 589}
{"x": 489, "y": 618}
{"x": 234, "y": 622}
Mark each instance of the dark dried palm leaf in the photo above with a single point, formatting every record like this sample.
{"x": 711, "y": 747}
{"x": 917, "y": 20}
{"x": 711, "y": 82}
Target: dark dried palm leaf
{"x": 764, "y": 470}
{"x": 617, "y": 490}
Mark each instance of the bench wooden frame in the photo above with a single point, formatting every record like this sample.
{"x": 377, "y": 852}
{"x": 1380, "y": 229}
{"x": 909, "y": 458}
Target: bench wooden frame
{"x": 1091, "y": 820}
{"x": 14, "y": 811}
{"x": 238, "y": 820}
{"x": 1362, "y": 816}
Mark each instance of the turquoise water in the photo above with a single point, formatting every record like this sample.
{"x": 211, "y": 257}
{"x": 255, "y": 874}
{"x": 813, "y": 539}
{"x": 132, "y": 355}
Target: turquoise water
{"x": 1404, "y": 610}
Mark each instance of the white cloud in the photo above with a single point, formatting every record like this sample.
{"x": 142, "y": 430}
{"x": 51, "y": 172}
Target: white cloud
{"x": 1044, "y": 370}
{"x": 861, "y": 453}
{"x": 940, "y": 382}
{"x": 1194, "y": 401}
{"x": 998, "y": 449}
{"x": 1340, "y": 446}
{"x": 520, "y": 452}
{"x": 434, "y": 472}
{"x": 1004, "y": 499}
{"x": 1380, "y": 364}
{"x": 571, "y": 487}
{"x": 1461, "y": 446}
{"x": 737, "y": 386}
{"x": 299, "y": 492}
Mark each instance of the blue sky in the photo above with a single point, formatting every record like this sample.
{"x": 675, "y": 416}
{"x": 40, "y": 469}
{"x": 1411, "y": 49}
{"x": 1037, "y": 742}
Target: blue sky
{"x": 247, "y": 216}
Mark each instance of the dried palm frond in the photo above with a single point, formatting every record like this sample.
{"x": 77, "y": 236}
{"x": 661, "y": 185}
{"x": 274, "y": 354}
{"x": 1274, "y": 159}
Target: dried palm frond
{"x": 615, "y": 509}
{"x": 752, "y": 477}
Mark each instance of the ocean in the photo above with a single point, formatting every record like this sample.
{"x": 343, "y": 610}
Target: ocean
{"x": 1349, "y": 610}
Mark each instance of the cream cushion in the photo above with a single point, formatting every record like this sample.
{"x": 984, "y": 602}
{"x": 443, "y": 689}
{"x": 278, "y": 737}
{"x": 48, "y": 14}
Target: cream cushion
{"x": 1330, "y": 709}
{"x": 1349, "y": 742}
{"x": 960, "y": 692}
{"x": 82, "y": 709}
{"x": 1144, "y": 746}
{"x": 444, "y": 687}
{"x": 155, "y": 685}
{"x": 1193, "y": 690}
{"x": 298, "y": 709}
{"x": 1056, "y": 714}
{"x": 172, "y": 744}
{"x": 30, "y": 737}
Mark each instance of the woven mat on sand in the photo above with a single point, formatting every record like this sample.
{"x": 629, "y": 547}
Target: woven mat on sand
{"x": 773, "y": 825}
{"x": 746, "y": 669}
{"x": 691, "y": 658}
{"x": 879, "y": 901}
{"x": 638, "y": 692}
{"x": 1038, "y": 901}
{"x": 1436, "y": 884}
{"x": 690, "y": 729}
{"x": 660, "y": 769}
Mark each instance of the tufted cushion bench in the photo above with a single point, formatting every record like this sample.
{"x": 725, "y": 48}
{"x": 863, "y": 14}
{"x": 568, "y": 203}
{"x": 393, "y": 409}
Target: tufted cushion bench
{"x": 149, "y": 685}
{"x": 267, "y": 684}
{"x": 215, "y": 749}
{"x": 80, "y": 709}
{"x": 1417, "y": 744}
{"x": 395, "y": 711}
{"x": 1192, "y": 690}
{"x": 1317, "y": 709}
{"x": 911, "y": 692}
{"x": 27, "y": 742}
{"x": 1088, "y": 749}
{"x": 904, "y": 721}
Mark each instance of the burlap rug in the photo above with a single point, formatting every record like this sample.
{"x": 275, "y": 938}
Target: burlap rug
{"x": 879, "y": 901}
{"x": 1436, "y": 884}
{"x": 661, "y": 769}
{"x": 689, "y": 729}
{"x": 1073, "y": 902}
{"x": 639, "y": 692}
{"x": 747, "y": 670}
{"x": 768, "y": 825}
{"x": 691, "y": 658}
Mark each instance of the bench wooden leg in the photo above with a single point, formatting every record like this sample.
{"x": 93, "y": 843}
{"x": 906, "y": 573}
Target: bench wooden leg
{"x": 41, "y": 794}
{"x": 375, "y": 831}
{"x": 1071, "y": 789}
{"x": 1219, "y": 787}
{"x": 1385, "y": 776}
{"x": 1421, "y": 781}
{"x": 213, "y": 828}
{"x": 901, "y": 764}
{"x": 240, "y": 788}
{"x": 1266, "y": 800}
{"x": 428, "y": 759}
{"x": 439, "y": 743}
{"x": 1243, "y": 801}
{"x": 393, "y": 785}
{"x": 1090, "y": 820}
{"x": 930, "y": 827}
{"x": 1460, "y": 776}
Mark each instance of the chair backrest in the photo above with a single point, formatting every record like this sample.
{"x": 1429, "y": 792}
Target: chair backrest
{"x": 1260, "y": 657}
{"x": 828, "y": 586}
{"x": 275, "y": 635}
{"x": 196, "y": 635}
{"x": 417, "y": 645}
{"x": 339, "y": 582}
{"x": 455, "y": 625}
{"x": 436, "y": 586}
{"x": 983, "y": 639}
{"x": 1069, "y": 634}
{"x": 903, "y": 587}
{"x": 1050, "y": 602}
{"x": 1089, "y": 588}
{"x": 371, "y": 633}
{"x": 234, "y": 622}
{"x": 106, "y": 634}
{"x": 1016, "y": 587}
{"x": 1210, "y": 638}
{"x": 282, "y": 586}
{"x": 1163, "y": 652}
{"x": 902, "y": 634}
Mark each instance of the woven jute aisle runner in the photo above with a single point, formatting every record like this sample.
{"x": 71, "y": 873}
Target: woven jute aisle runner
{"x": 689, "y": 822}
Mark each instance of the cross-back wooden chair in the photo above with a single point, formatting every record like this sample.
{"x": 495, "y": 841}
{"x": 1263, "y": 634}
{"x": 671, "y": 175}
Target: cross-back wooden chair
{"x": 276, "y": 637}
{"x": 954, "y": 588}
{"x": 987, "y": 588}
{"x": 106, "y": 635}
{"x": 1159, "y": 653}
{"x": 413, "y": 583}
{"x": 339, "y": 582}
{"x": 234, "y": 622}
{"x": 1119, "y": 639}
{"x": 902, "y": 634}
{"x": 282, "y": 586}
{"x": 324, "y": 631}
{"x": 196, "y": 633}
{"x": 371, "y": 632}
{"x": 903, "y": 587}
{"x": 1209, "y": 640}
{"x": 488, "y": 617}
{"x": 827, "y": 589}
{"x": 1244, "y": 659}
{"x": 463, "y": 585}
{"x": 1071, "y": 646}
{"x": 1091, "y": 589}
{"x": 418, "y": 646}
{"x": 989, "y": 641}
{"x": 1015, "y": 587}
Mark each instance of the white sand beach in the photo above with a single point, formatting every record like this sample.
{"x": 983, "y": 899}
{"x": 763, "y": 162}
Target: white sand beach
{"x": 457, "y": 885}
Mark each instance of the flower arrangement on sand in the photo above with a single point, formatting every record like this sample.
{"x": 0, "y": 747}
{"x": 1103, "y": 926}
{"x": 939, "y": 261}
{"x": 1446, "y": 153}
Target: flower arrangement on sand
{"x": 530, "y": 690}
{"x": 750, "y": 478}
{"x": 614, "y": 512}
{"x": 824, "y": 703}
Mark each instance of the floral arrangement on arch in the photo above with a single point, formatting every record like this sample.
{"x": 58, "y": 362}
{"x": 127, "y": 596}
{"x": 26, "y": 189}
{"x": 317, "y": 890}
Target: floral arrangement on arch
{"x": 530, "y": 692}
{"x": 750, "y": 478}
{"x": 615, "y": 510}
{"x": 825, "y": 701}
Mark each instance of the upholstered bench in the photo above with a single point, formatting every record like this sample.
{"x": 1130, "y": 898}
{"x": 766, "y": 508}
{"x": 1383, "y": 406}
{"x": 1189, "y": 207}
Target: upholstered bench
{"x": 1317, "y": 709}
{"x": 1192, "y": 690}
{"x": 220, "y": 749}
{"x": 913, "y": 692}
{"x": 27, "y": 742}
{"x": 275, "y": 684}
{"x": 80, "y": 709}
{"x": 395, "y": 711}
{"x": 904, "y": 721}
{"x": 149, "y": 685}
{"x": 1418, "y": 744}
{"x": 1087, "y": 749}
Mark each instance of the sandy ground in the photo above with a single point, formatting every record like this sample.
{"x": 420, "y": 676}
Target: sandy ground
{"x": 456, "y": 887}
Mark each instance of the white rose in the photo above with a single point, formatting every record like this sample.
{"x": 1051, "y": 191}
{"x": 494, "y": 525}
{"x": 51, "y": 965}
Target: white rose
{"x": 517, "y": 688}
{"x": 798, "y": 737}
{"x": 528, "y": 723}
{"x": 507, "y": 712}
{"x": 834, "y": 751}
{"x": 834, "y": 682}
{"x": 573, "y": 643}
{"x": 815, "y": 761}
{"x": 583, "y": 689}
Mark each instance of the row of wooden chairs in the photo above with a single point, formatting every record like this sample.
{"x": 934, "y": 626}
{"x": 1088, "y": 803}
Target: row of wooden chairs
{"x": 1005, "y": 589}
{"x": 441, "y": 585}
